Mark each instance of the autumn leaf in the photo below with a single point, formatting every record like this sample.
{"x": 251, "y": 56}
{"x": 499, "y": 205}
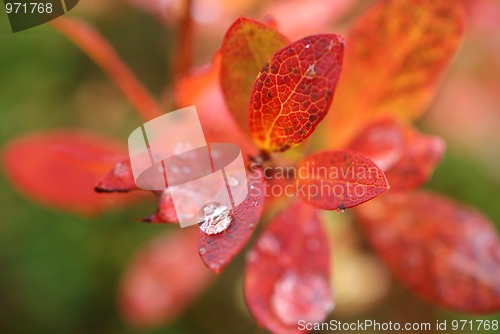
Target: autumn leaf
{"x": 217, "y": 250}
{"x": 118, "y": 179}
{"x": 60, "y": 169}
{"x": 246, "y": 47}
{"x": 287, "y": 276}
{"x": 163, "y": 279}
{"x": 446, "y": 253}
{"x": 396, "y": 54}
{"x": 294, "y": 90}
{"x": 166, "y": 212}
{"x": 336, "y": 180}
{"x": 422, "y": 153}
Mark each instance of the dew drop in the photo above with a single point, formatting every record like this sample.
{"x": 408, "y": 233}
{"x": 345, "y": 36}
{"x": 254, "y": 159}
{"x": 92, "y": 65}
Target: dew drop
{"x": 186, "y": 169}
{"x": 308, "y": 46}
{"x": 268, "y": 243}
{"x": 232, "y": 181}
{"x": 175, "y": 169}
{"x": 202, "y": 250}
{"x": 213, "y": 218}
{"x": 182, "y": 147}
{"x": 340, "y": 210}
{"x": 301, "y": 297}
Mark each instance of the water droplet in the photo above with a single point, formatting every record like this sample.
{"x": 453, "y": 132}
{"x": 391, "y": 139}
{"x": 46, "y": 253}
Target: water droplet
{"x": 202, "y": 250}
{"x": 214, "y": 266}
{"x": 301, "y": 297}
{"x": 268, "y": 243}
{"x": 186, "y": 169}
{"x": 255, "y": 203}
{"x": 310, "y": 72}
{"x": 214, "y": 218}
{"x": 340, "y": 209}
{"x": 232, "y": 181}
{"x": 308, "y": 46}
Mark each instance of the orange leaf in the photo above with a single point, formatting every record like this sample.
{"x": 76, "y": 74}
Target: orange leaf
{"x": 444, "y": 252}
{"x": 60, "y": 169}
{"x": 217, "y": 250}
{"x": 287, "y": 275}
{"x": 336, "y": 180}
{"x": 246, "y": 47}
{"x": 165, "y": 277}
{"x": 294, "y": 90}
{"x": 396, "y": 53}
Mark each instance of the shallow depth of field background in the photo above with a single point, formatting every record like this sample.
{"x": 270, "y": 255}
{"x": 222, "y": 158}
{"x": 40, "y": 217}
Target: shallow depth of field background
{"x": 59, "y": 273}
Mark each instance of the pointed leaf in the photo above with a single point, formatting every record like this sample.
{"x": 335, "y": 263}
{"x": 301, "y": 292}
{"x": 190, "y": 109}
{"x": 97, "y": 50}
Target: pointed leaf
{"x": 446, "y": 253}
{"x": 164, "y": 278}
{"x": 60, "y": 169}
{"x": 336, "y": 180}
{"x": 294, "y": 90}
{"x": 119, "y": 179}
{"x": 217, "y": 250}
{"x": 246, "y": 47}
{"x": 396, "y": 54}
{"x": 287, "y": 275}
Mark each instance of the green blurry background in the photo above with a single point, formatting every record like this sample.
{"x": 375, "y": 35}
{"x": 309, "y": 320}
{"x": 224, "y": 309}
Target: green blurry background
{"x": 59, "y": 273}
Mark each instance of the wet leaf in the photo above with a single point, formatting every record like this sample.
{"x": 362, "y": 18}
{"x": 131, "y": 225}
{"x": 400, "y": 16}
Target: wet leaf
{"x": 446, "y": 253}
{"x": 246, "y": 47}
{"x": 294, "y": 90}
{"x": 164, "y": 278}
{"x": 60, "y": 169}
{"x": 118, "y": 179}
{"x": 217, "y": 250}
{"x": 396, "y": 54}
{"x": 336, "y": 180}
{"x": 287, "y": 275}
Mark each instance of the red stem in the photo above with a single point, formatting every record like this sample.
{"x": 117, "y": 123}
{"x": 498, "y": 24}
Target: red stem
{"x": 103, "y": 54}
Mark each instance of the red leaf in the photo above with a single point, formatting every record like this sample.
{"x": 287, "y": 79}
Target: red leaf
{"x": 164, "y": 279}
{"x": 217, "y": 250}
{"x": 422, "y": 153}
{"x": 59, "y": 169}
{"x": 407, "y": 157}
{"x": 119, "y": 179}
{"x": 444, "y": 252}
{"x": 294, "y": 90}
{"x": 166, "y": 210}
{"x": 381, "y": 141}
{"x": 287, "y": 275}
{"x": 247, "y": 45}
{"x": 339, "y": 179}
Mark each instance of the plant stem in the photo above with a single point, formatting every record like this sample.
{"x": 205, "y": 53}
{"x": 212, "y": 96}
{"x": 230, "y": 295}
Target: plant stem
{"x": 183, "y": 54}
{"x": 103, "y": 54}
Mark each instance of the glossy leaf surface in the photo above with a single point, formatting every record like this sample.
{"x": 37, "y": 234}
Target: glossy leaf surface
{"x": 246, "y": 47}
{"x": 287, "y": 271}
{"x": 217, "y": 250}
{"x": 118, "y": 179}
{"x": 446, "y": 253}
{"x": 294, "y": 90}
{"x": 336, "y": 180}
